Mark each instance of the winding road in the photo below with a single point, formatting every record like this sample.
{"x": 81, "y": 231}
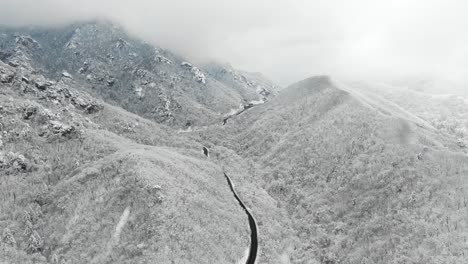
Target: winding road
{"x": 253, "y": 225}
{"x": 242, "y": 110}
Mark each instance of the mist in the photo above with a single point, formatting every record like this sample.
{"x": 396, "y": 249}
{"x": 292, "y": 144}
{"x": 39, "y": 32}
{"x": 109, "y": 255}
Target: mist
{"x": 285, "y": 40}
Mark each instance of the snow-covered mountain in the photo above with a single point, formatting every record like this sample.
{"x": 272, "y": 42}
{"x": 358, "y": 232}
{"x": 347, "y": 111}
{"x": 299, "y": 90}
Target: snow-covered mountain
{"x": 140, "y": 77}
{"x": 94, "y": 167}
{"x": 364, "y": 177}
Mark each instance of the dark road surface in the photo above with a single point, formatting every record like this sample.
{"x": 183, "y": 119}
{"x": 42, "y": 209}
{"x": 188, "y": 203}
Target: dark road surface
{"x": 253, "y": 225}
{"x": 245, "y": 108}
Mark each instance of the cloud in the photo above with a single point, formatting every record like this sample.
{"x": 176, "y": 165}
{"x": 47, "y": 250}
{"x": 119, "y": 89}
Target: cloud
{"x": 286, "y": 39}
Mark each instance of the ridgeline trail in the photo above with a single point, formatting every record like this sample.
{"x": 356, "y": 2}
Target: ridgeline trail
{"x": 253, "y": 225}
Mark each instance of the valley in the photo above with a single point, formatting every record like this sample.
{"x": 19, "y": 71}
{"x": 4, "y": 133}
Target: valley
{"x": 114, "y": 150}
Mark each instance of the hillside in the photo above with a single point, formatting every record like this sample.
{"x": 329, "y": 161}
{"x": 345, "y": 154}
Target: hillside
{"x": 447, "y": 113}
{"x": 360, "y": 184}
{"x": 127, "y": 72}
{"x": 84, "y": 181}
{"x": 113, "y": 150}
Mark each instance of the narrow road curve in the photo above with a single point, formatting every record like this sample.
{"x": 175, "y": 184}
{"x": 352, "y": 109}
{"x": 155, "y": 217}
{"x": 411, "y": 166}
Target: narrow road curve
{"x": 253, "y": 225}
{"x": 242, "y": 110}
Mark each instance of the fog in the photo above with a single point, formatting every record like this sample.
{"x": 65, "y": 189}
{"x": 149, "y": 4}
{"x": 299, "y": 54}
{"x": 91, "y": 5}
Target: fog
{"x": 286, "y": 40}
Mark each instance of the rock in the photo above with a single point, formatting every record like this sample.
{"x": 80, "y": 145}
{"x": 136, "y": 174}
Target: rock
{"x": 47, "y": 114}
{"x": 156, "y": 187}
{"x": 13, "y": 64}
{"x": 206, "y": 152}
{"x": 199, "y": 76}
{"x": 163, "y": 59}
{"x": 85, "y": 68}
{"x": 462, "y": 144}
{"x": 141, "y": 246}
{"x": 19, "y": 162}
{"x": 29, "y": 111}
{"x": 72, "y": 44}
{"x": 26, "y": 41}
{"x": 6, "y": 78}
{"x": 110, "y": 82}
{"x": 41, "y": 83}
{"x": 85, "y": 102}
{"x": 139, "y": 92}
{"x": 8, "y": 238}
{"x": 13, "y": 162}
{"x": 420, "y": 156}
{"x": 67, "y": 75}
{"x": 186, "y": 65}
{"x": 263, "y": 91}
{"x": 61, "y": 129}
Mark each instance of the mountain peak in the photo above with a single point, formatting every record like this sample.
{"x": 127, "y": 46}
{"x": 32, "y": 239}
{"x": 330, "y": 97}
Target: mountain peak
{"x": 310, "y": 86}
{"x": 314, "y": 82}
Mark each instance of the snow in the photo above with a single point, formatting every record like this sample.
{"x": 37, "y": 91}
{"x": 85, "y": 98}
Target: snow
{"x": 67, "y": 75}
{"x": 73, "y": 43}
{"x": 257, "y": 102}
{"x": 139, "y": 91}
{"x": 167, "y": 105}
{"x": 199, "y": 76}
{"x": 163, "y": 59}
{"x": 26, "y": 41}
{"x": 186, "y": 64}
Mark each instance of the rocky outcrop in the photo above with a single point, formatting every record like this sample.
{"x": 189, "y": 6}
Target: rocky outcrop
{"x": 35, "y": 112}
{"x": 63, "y": 92}
{"x": 13, "y": 162}
{"x": 84, "y": 102}
{"x": 65, "y": 74}
{"x": 63, "y": 130}
{"x": 26, "y": 41}
{"x": 162, "y": 59}
{"x": 42, "y": 83}
{"x": 198, "y": 75}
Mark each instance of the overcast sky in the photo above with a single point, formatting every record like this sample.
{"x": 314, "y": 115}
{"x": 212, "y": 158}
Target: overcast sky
{"x": 288, "y": 40}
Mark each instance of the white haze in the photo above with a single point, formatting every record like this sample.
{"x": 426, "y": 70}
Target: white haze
{"x": 286, "y": 39}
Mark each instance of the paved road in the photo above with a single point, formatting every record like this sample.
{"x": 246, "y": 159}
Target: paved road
{"x": 253, "y": 225}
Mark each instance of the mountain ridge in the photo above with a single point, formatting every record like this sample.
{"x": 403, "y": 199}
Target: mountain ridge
{"x": 325, "y": 155}
{"x": 131, "y": 73}
{"x": 95, "y": 167}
